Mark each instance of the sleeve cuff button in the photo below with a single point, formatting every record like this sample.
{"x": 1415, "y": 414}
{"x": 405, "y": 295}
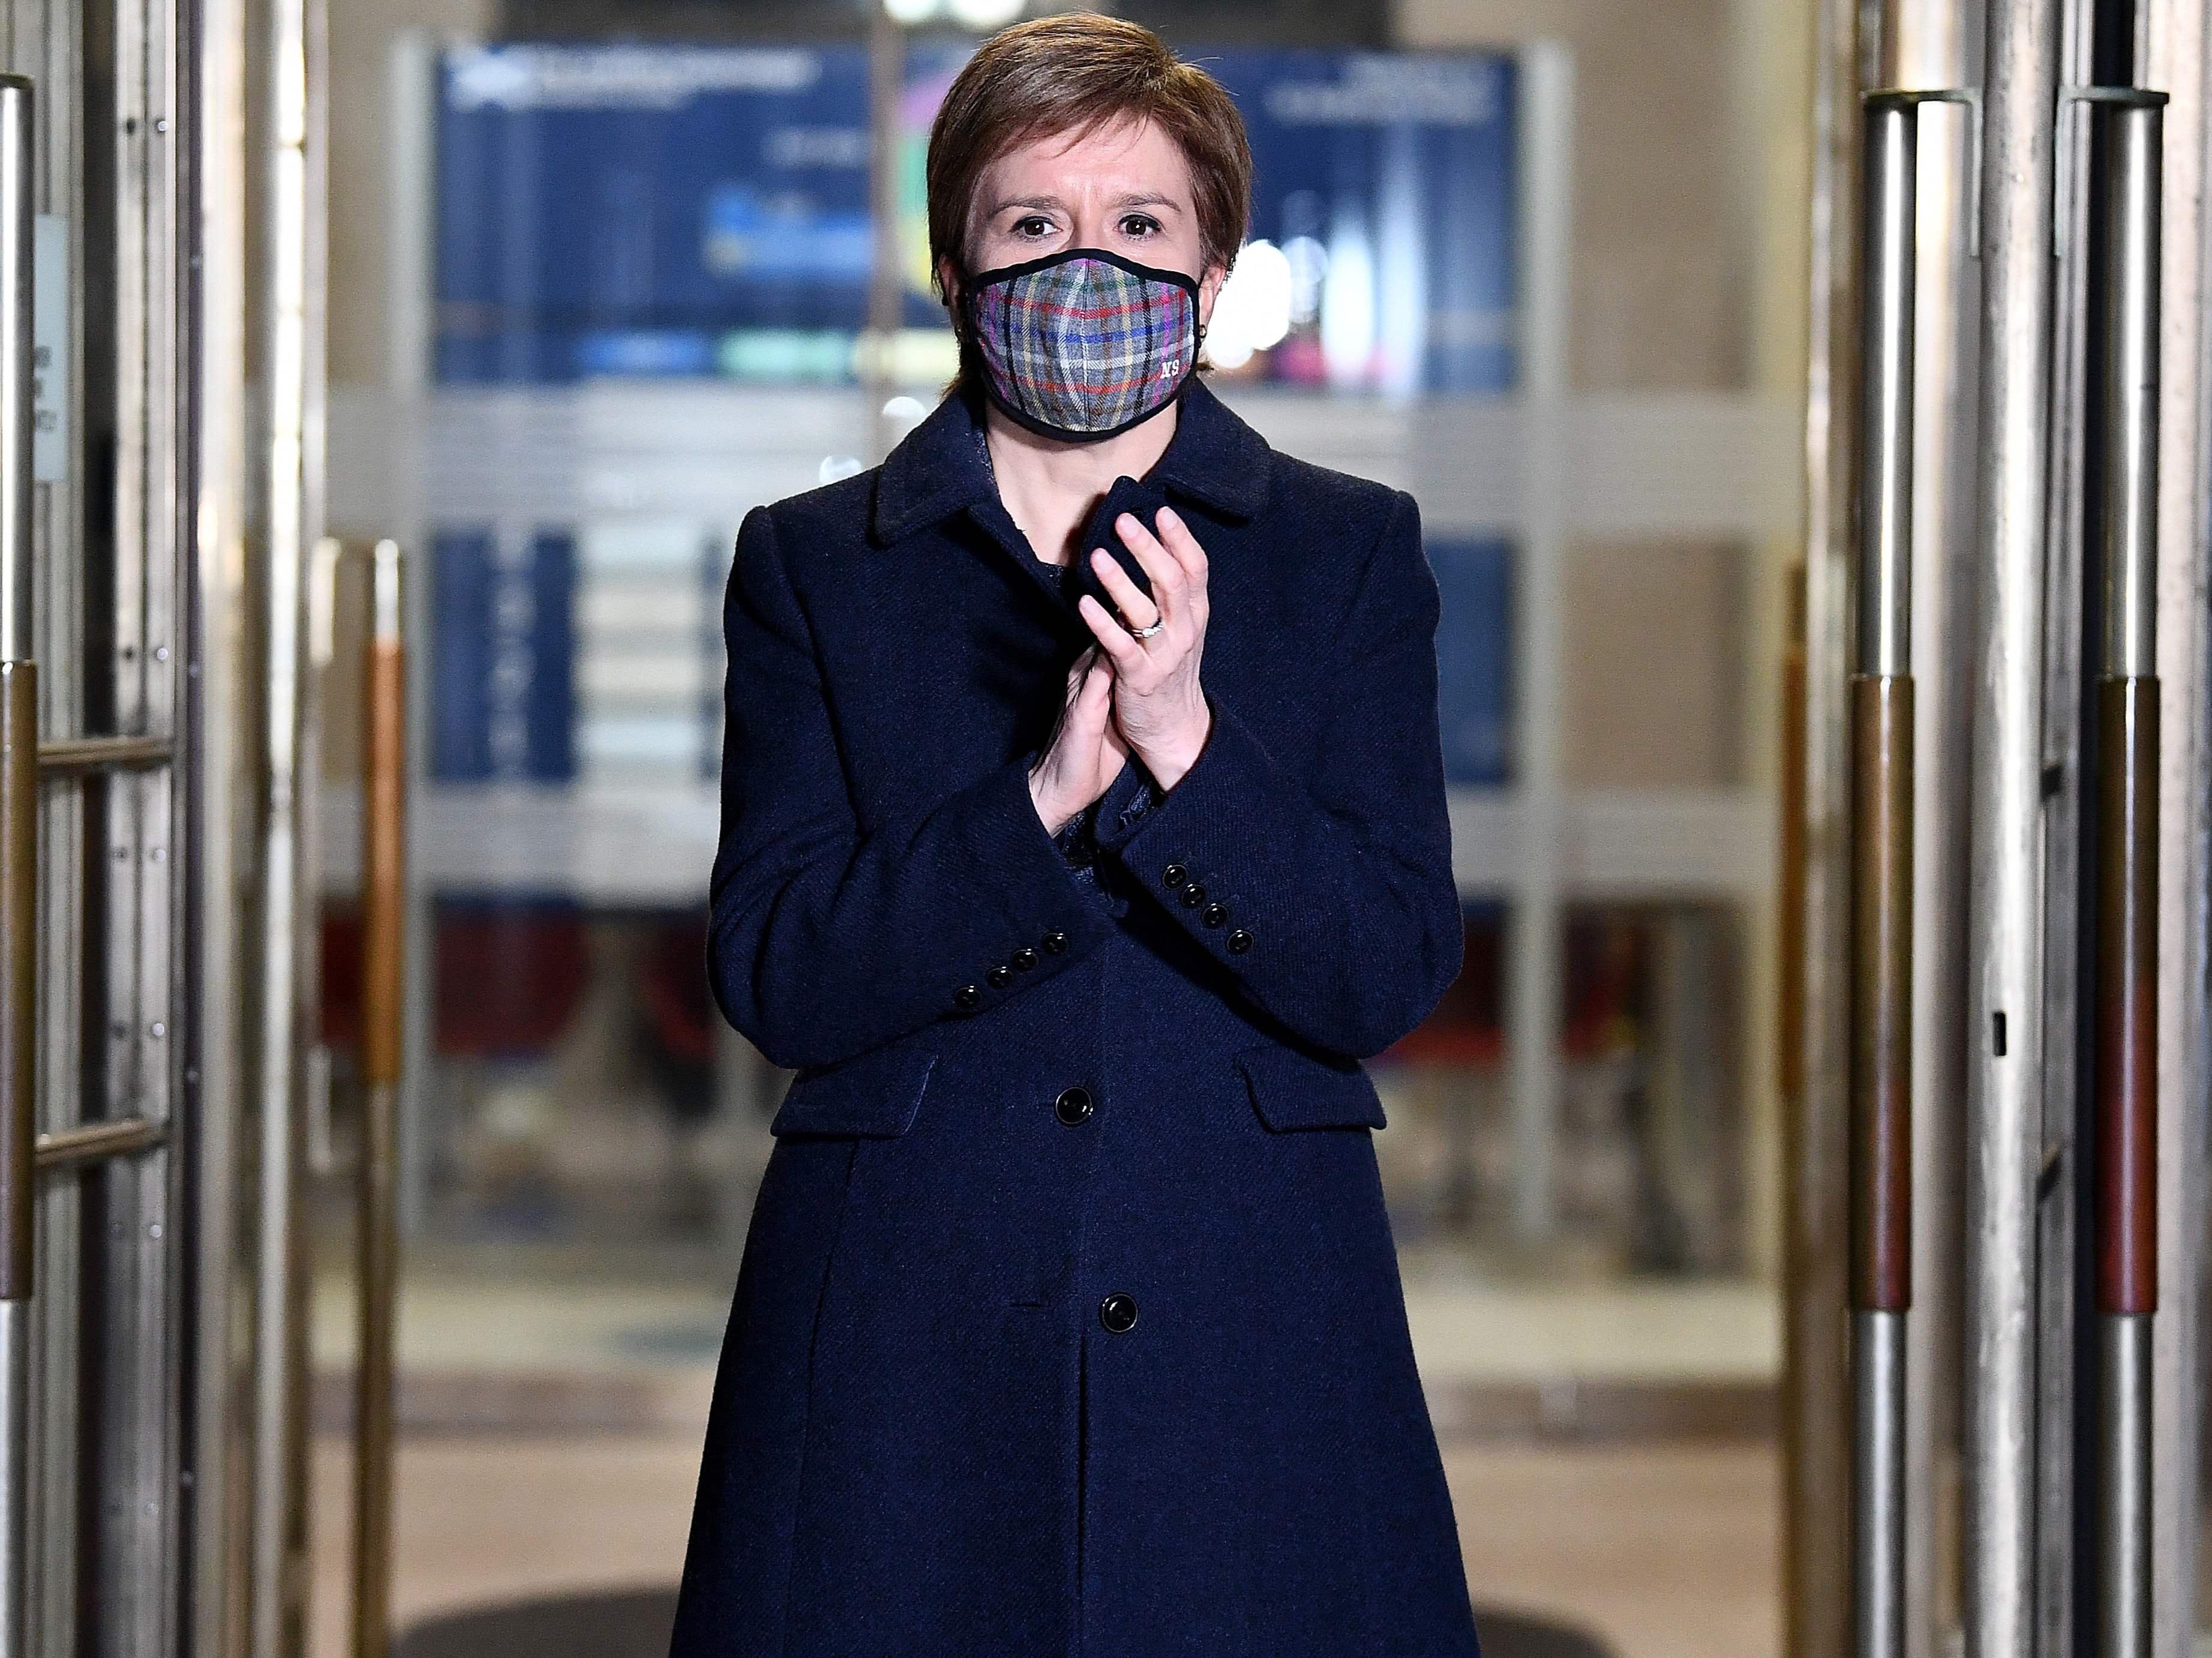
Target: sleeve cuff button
{"x": 1239, "y": 940}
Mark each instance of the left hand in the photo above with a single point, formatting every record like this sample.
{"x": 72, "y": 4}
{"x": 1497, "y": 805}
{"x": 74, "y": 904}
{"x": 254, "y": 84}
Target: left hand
{"x": 1158, "y": 702}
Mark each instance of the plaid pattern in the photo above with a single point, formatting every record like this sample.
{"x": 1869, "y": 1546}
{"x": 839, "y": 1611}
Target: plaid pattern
{"x": 1083, "y": 345}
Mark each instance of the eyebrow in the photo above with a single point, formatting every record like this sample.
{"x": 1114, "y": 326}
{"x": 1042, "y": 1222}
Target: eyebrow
{"x": 1043, "y": 202}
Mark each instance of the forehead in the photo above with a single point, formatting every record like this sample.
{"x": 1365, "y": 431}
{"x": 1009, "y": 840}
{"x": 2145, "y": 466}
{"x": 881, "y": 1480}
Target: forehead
{"x": 1116, "y": 158}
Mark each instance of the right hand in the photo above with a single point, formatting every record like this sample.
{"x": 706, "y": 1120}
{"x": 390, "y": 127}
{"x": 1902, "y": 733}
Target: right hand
{"x": 1087, "y": 751}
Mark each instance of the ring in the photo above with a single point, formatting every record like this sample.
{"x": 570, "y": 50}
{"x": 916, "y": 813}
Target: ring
{"x": 1147, "y": 632}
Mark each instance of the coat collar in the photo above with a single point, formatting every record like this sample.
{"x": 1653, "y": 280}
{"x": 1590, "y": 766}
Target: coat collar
{"x": 940, "y": 465}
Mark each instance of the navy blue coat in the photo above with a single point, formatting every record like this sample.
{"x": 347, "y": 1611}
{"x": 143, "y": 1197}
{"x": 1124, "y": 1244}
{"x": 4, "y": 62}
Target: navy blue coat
{"x": 1069, "y": 1319}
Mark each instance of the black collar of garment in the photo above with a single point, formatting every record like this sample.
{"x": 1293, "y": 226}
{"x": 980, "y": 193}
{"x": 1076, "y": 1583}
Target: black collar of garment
{"x": 941, "y": 466}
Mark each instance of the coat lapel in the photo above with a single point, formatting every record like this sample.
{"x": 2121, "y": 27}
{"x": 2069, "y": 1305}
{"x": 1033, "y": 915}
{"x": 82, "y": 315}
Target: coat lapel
{"x": 942, "y": 467}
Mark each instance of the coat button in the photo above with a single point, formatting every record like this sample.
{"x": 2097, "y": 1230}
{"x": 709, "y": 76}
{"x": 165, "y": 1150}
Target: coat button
{"x": 1025, "y": 958}
{"x": 1175, "y": 874}
{"x": 967, "y": 996}
{"x": 1194, "y": 895}
{"x": 999, "y": 974}
{"x": 1074, "y": 1105}
{"x": 1214, "y": 914}
{"x": 1239, "y": 940}
{"x": 1054, "y": 942}
{"x": 1118, "y": 1312}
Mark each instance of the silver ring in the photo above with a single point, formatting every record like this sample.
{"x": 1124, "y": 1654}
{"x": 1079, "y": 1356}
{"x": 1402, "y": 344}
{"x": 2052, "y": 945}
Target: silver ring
{"x": 1147, "y": 632}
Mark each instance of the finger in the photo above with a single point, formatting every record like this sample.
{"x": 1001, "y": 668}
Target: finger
{"x": 1165, "y": 570}
{"x": 1126, "y": 594}
{"x": 1113, "y": 637}
{"x": 1094, "y": 696}
{"x": 1191, "y": 599}
{"x": 1175, "y": 536}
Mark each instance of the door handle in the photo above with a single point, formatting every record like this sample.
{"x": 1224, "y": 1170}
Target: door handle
{"x": 1882, "y": 718}
{"x": 19, "y": 845}
{"x": 2124, "y": 1079}
{"x": 321, "y": 650}
{"x": 384, "y": 758}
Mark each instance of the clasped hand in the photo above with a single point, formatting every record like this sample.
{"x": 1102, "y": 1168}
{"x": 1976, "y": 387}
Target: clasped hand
{"x": 1128, "y": 694}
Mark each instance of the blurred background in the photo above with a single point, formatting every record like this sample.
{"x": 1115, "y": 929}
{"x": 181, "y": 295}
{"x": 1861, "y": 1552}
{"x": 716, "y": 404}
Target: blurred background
{"x": 604, "y": 276}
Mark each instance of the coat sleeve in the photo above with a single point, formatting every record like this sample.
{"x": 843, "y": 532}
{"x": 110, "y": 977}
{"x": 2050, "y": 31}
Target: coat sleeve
{"x": 825, "y": 940}
{"x": 1330, "y": 900}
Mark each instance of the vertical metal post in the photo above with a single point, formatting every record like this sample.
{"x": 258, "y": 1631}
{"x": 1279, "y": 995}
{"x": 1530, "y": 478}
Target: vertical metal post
{"x": 1816, "y": 1384}
{"x": 383, "y": 902}
{"x": 2005, "y": 914}
{"x": 1881, "y": 883}
{"x": 887, "y": 270}
{"x": 1882, "y": 890}
{"x": 2173, "y": 55}
{"x": 19, "y": 863}
{"x": 278, "y": 1541}
{"x": 2125, "y": 1075}
{"x": 1882, "y": 714}
{"x": 1534, "y": 987}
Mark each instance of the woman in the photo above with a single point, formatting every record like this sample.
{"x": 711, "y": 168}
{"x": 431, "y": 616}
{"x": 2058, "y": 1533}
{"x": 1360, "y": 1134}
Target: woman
{"x": 1069, "y": 1319}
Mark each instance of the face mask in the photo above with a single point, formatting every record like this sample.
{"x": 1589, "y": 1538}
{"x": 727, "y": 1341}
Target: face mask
{"x": 1083, "y": 344}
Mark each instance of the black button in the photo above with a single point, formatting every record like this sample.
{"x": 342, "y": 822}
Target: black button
{"x": 1239, "y": 940}
{"x": 1214, "y": 914}
{"x": 1056, "y": 941}
{"x": 1118, "y": 1312}
{"x": 967, "y": 996}
{"x": 1025, "y": 958}
{"x": 1000, "y": 973}
{"x": 1175, "y": 874}
{"x": 1073, "y": 1106}
{"x": 1194, "y": 895}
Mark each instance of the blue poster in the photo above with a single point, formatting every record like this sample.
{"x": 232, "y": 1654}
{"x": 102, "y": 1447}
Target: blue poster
{"x": 502, "y": 647}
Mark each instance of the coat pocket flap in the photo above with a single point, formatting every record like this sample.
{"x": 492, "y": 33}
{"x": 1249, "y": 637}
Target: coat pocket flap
{"x": 1292, "y": 1090}
{"x": 872, "y": 1096}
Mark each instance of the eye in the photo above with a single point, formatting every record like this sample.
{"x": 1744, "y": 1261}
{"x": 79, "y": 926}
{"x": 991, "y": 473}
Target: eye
{"x": 1032, "y": 225}
{"x": 1138, "y": 226}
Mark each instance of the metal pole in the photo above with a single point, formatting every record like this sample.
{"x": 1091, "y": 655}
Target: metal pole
{"x": 1881, "y": 710}
{"x": 2005, "y": 917}
{"x": 2173, "y": 56}
{"x": 1534, "y": 979}
{"x": 1815, "y": 1314}
{"x": 277, "y": 1538}
{"x": 1881, "y": 885}
{"x": 887, "y": 271}
{"x": 383, "y": 902}
{"x": 2125, "y": 1103}
{"x": 19, "y": 876}
{"x": 1882, "y": 896}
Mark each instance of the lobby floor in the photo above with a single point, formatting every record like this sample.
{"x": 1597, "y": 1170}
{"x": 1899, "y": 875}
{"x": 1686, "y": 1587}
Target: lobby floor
{"x": 1663, "y": 1551}
{"x": 552, "y": 1411}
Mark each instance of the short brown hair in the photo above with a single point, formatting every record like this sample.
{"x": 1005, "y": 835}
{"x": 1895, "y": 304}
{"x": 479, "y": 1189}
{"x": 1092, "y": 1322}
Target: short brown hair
{"x": 1070, "y": 73}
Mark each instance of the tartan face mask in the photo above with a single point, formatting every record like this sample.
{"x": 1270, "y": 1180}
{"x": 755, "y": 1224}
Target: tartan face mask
{"x": 1083, "y": 344}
